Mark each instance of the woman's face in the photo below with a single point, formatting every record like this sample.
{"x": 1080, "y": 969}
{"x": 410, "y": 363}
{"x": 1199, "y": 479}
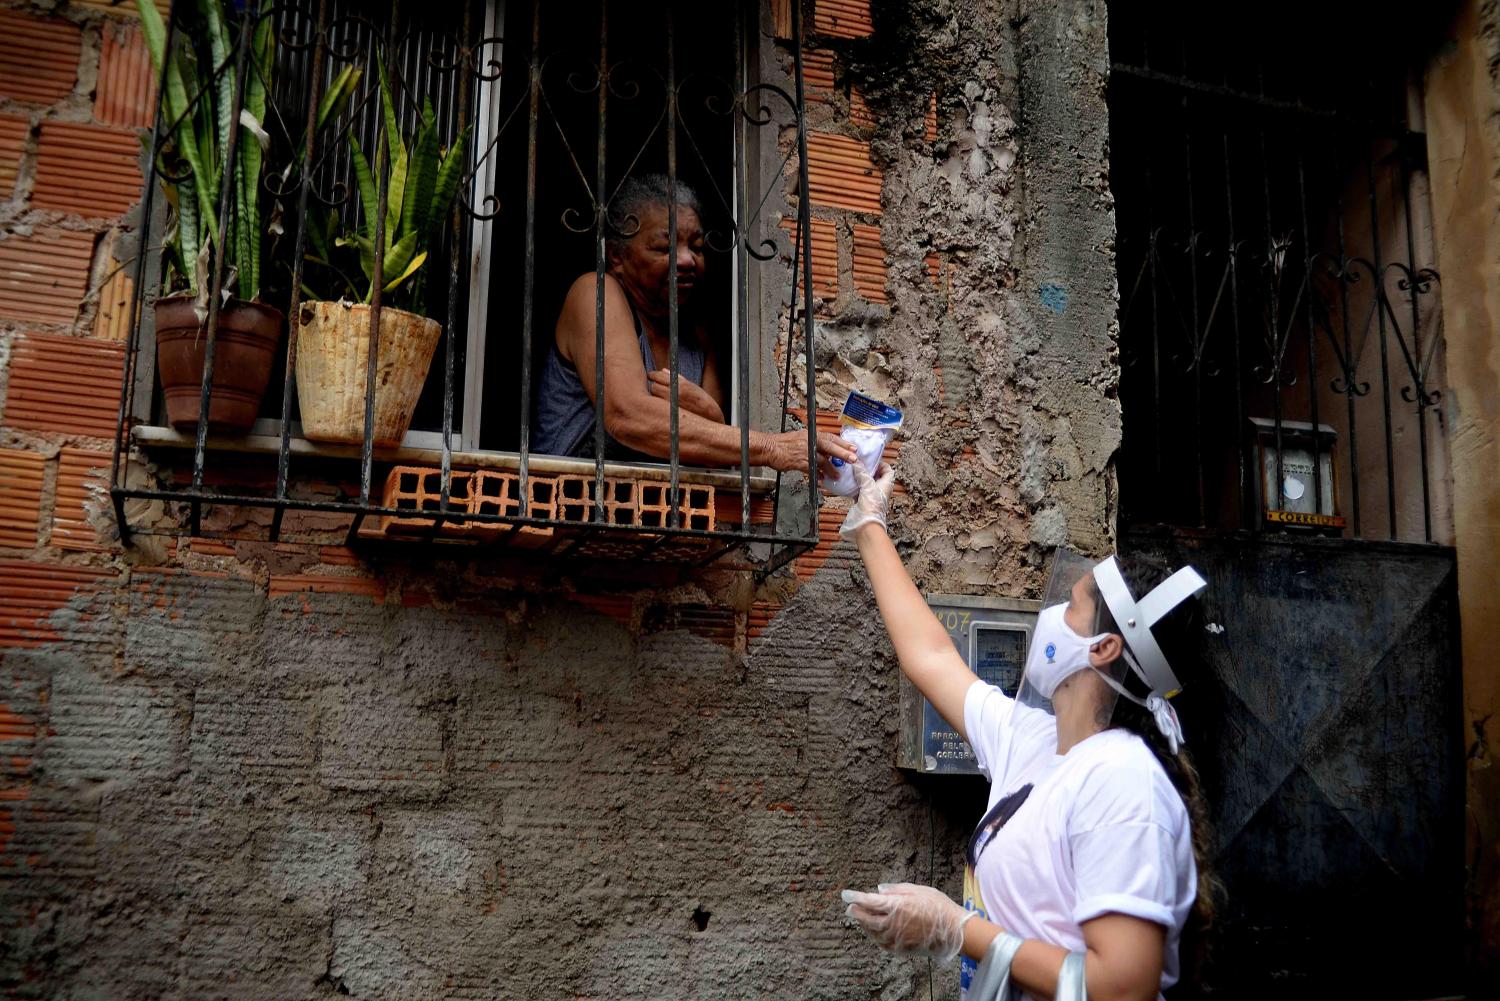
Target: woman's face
{"x": 642, "y": 265}
{"x": 1082, "y": 611}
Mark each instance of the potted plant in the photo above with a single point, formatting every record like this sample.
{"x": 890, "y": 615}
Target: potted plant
{"x": 193, "y": 164}
{"x": 333, "y": 342}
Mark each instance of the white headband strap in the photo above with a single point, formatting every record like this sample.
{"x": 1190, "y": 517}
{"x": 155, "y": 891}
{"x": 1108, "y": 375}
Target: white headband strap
{"x": 1135, "y": 619}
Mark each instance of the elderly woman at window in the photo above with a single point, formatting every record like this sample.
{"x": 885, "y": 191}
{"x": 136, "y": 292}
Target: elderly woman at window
{"x": 637, "y": 382}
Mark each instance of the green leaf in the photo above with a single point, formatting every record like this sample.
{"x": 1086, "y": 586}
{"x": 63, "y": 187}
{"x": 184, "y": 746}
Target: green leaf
{"x": 337, "y": 95}
{"x": 449, "y": 176}
{"x": 399, "y": 256}
{"x": 368, "y": 196}
{"x": 155, "y": 30}
{"x": 421, "y": 181}
{"x": 411, "y": 269}
{"x": 396, "y": 153}
{"x": 222, "y": 71}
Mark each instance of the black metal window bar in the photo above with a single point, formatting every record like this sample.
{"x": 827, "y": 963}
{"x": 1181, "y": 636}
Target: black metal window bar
{"x": 1274, "y": 283}
{"x": 313, "y": 42}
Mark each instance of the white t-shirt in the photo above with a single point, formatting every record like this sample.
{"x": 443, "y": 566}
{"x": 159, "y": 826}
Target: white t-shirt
{"x": 1103, "y": 830}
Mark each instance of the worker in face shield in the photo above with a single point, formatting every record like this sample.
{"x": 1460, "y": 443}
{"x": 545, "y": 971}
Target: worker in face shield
{"x": 1089, "y": 860}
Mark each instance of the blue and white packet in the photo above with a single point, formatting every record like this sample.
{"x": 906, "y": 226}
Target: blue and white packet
{"x": 867, "y": 425}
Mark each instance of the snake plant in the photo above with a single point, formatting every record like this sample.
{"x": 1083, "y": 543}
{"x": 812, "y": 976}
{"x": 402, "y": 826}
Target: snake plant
{"x": 197, "y": 107}
{"x": 420, "y": 184}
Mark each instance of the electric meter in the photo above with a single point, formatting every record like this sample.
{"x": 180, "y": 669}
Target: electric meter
{"x": 992, "y": 635}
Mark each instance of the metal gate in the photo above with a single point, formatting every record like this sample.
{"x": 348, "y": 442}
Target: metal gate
{"x": 1325, "y": 721}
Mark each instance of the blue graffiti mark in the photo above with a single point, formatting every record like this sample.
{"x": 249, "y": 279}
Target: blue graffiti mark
{"x": 1054, "y": 297}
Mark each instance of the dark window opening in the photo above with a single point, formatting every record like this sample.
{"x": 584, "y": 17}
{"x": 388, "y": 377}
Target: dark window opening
{"x": 635, "y": 144}
{"x": 1275, "y": 273}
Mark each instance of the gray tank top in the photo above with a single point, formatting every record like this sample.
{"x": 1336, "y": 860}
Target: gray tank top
{"x": 564, "y": 419}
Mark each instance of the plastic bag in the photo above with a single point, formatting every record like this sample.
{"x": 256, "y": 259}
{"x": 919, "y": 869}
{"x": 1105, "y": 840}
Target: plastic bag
{"x": 868, "y": 425}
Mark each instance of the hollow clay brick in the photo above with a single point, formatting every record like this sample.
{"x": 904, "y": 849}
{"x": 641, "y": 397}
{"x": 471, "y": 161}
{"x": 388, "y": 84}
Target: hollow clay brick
{"x": 126, "y": 91}
{"x": 44, "y": 275}
{"x": 869, "y": 263}
{"x": 80, "y": 473}
{"x": 14, "y": 130}
{"x": 843, "y": 18}
{"x": 68, "y": 385}
{"x": 31, "y": 592}
{"x": 825, "y": 256}
{"x": 419, "y": 488}
{"x": 38, "y": 57}
{"x": 88, "y": 170}
{"x": 840, "y": 173}
{"x": 21, "y": 475}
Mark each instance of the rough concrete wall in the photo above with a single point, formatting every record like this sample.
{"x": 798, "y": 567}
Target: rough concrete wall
{"x": 253, "y": 771}
{"x": 1463, "y": 137}
{"x": 1007, "y": 368}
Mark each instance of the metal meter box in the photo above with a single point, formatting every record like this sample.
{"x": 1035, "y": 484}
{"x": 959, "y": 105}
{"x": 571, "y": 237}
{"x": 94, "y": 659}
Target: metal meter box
{"x": 992, "y": 635}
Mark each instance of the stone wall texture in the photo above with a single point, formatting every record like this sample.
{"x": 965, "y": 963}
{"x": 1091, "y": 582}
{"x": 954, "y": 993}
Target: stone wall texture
{"x": 246, "y": 770}
{"x": 1463, "y": 129}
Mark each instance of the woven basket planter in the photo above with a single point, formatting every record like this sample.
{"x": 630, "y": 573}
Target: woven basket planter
{"x": 333, "y": 352}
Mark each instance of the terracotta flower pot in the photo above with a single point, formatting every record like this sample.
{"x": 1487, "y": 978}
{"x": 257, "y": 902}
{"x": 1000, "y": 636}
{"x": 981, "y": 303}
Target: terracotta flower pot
{"x": 333, "y": 352}
{"x": 244, "y": 354}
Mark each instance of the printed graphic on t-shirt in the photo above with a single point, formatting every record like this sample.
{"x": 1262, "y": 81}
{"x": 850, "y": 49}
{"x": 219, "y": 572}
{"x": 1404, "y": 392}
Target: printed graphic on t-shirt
{"x": 973, "y": 901}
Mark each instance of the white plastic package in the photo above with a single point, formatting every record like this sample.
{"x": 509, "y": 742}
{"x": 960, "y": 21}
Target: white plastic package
{"x": 868, "y": 425}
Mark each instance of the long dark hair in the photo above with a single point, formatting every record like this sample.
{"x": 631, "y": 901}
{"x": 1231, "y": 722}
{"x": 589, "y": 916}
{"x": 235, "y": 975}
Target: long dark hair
{"x": 1177, "y": 634}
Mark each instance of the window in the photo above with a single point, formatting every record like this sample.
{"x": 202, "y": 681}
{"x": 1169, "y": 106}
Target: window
{"x": 550, "y": 109}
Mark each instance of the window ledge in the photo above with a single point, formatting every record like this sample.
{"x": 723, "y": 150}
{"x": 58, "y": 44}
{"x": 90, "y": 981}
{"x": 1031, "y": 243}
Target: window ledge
{"x": 265, "y": 444}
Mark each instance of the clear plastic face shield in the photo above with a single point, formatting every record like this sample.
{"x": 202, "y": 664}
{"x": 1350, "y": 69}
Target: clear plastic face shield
{"x": 1059, "y": 664}
{"x": 1070, "y": 637}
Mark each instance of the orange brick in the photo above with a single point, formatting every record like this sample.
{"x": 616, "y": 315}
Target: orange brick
{"x": 126, "y": 92}
{"x": 420, "y": 488}
{"x": 112, "y": 322}
{"x": 89, "y": 170}
{"x": 869, "y": 263}
{"x": 817, "y": 74}
{"x": 64, "y": 384}
{"x": 934, "y": 269}
{"x": 761, "y": 615}
{"x": 825, "y": 256}
{"x": 499, "y": 493}
{"x": 842, "y": 18}
{"x": 20, "y": 497}
{"x": 372, "y": 588}
{"x": 14, "y": 130}
{"x": 44, "y": 276}
{"x": 31, "y": 592}
{"x": 79, "y": 474}
{"x": 841, "y": 174}
{"x": 576, "y": 501}
{"x": 38, "y": 57}
{"x": 859, "y": 111}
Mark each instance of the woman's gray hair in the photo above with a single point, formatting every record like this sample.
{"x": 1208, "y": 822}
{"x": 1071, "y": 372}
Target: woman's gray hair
{"x": 637, "y": 194}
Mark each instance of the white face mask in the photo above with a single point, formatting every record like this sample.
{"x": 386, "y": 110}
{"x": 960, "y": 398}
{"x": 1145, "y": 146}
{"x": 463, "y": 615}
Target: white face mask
{"x": 1057, "y": 652}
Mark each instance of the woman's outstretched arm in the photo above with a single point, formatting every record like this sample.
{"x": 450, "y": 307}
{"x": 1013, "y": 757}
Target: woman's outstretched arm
{"x": 922, "y": 644}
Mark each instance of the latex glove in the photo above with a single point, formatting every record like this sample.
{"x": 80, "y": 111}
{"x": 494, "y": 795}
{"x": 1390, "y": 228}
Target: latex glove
{"x": 873, "y": 499}
{"x": 910, "y": 920}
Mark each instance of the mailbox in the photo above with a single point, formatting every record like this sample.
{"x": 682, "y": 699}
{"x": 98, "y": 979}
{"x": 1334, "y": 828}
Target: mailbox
{"x": 992, "y": 635}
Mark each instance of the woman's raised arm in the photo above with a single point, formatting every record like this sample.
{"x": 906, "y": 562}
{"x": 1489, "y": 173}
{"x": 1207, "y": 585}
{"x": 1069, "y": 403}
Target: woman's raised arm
{"x": 922, "y": 644}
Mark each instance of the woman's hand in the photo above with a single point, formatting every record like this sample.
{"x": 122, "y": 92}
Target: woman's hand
{"x": 874, "y": 499}
{"x": 910, "y": 920}
{"x": 690, "y": 396}
{"x": 787, "y": 451}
